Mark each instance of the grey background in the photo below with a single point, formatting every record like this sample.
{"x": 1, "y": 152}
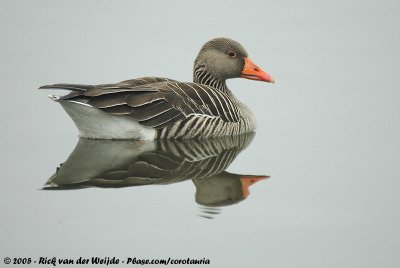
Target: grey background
{"x": 328, "y": 131}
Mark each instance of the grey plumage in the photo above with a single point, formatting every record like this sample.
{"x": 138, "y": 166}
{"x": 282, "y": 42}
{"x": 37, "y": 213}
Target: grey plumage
{"x": 204, "y": 108}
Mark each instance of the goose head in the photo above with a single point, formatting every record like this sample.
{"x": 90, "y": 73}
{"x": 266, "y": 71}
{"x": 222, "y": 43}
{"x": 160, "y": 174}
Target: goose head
{"x": 222, "y": 58}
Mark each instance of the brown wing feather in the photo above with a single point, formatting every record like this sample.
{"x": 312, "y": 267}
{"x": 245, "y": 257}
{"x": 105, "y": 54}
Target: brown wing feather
{"x": 164, "y": 119}
{"x": 155, "y": 102}
{"x": 141, "y": 99}
{"x": 119, "y": 110}
{"x": 109, "y": 100}
{"x": 125, "y": 86}
{"x": 150, "y": 110}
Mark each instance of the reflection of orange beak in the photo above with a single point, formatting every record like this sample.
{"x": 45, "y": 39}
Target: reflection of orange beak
{"x": 249, "y": 180}
{"x": 253, "y": 72}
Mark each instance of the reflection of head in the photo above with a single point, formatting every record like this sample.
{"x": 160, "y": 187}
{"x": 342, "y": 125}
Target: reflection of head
{"x": 224, "y": 189}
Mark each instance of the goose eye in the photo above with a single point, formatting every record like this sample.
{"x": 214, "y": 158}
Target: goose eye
{"x": 231, "y": 54}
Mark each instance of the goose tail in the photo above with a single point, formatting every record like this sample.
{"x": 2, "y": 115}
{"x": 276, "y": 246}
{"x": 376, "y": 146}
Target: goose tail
{"x": 71, "y": 87}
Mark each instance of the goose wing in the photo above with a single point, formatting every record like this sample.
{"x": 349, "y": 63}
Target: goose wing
{"x": 155, "y": 102}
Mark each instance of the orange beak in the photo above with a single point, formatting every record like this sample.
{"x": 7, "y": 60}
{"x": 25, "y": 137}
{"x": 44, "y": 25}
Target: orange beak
{"x": 248, "y": 180}
{"x": 253, "y": 72}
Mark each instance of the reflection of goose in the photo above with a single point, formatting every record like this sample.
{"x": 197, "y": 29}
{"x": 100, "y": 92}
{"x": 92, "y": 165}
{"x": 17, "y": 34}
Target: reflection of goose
{"x": 108, "y": 163}
{"x": 224, "y": 188}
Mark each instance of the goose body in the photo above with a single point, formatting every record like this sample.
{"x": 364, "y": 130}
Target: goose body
{"x": 160, "y": 108}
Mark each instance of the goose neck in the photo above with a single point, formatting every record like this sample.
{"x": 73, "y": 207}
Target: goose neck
{"x": 202, "y": 76}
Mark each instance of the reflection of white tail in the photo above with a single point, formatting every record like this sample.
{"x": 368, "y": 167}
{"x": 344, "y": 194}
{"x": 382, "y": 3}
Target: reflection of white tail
{"x": 94, "y": 123}
{"x": 99, "y": 160}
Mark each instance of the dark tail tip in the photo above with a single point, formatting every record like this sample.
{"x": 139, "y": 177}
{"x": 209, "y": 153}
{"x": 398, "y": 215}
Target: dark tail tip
{"x": 46, "y": 87}
{"x": 72, "y": 87}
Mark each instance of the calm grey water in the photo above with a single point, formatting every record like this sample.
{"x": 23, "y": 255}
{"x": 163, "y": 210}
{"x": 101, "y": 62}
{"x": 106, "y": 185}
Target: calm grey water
{"x": 328, "y": 135}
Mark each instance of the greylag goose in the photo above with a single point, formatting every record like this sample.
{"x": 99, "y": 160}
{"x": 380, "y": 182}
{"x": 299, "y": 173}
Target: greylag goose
{"x": 160, "y": 108}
